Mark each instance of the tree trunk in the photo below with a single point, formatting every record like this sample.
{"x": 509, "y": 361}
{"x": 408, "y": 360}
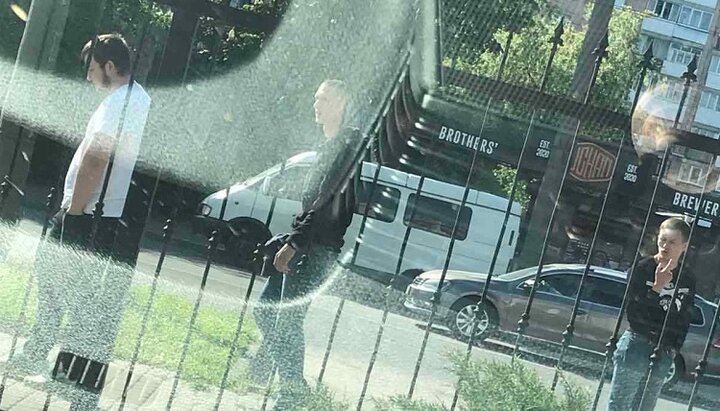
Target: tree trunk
{"x": 562, "y": 146}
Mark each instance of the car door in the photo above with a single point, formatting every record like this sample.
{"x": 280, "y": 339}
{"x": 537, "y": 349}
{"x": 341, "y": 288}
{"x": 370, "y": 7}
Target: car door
{"x": 552, "y": 305}
{"x": 604, "y": 297}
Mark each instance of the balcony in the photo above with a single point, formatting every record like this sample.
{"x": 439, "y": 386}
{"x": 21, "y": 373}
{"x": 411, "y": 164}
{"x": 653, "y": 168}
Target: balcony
{"x": 666, "y": 29}
{"x": 705, "y": 3}
{"x": 671, "y": 68}
{"x": 713, "y": 81}
{"x": 708, "y": 117}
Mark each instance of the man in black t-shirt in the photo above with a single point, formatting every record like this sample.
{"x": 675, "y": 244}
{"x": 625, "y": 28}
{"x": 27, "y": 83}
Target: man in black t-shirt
{"x": 653, "y": 282}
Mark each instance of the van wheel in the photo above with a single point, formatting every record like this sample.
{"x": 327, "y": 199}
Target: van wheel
{"x": 465, "y": 311}
{"x": 676, "y": 373}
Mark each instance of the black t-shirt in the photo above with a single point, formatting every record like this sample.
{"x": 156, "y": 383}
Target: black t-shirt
{"x": 646, "y": 310}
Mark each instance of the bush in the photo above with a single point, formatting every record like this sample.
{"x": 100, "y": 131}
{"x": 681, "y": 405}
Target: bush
{"x": 404, "y": 404}
{"x": 501, "y": 386}
{"x": 321, "y": 398}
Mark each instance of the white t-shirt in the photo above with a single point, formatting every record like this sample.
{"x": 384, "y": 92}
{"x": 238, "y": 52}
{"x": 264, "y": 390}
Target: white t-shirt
{"x": 105, "y": 122}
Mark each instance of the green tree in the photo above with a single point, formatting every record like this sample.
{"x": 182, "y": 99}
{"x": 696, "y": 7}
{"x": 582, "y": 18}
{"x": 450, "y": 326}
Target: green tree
{"x": 468, "y": 27}
{"x": 531, "y": 48}
{"x": 505, "y": 176}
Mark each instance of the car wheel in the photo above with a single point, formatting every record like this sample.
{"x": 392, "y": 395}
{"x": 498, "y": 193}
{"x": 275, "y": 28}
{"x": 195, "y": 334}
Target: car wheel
{"x": 677, "y": 372}
{"x": 465, "y": 311}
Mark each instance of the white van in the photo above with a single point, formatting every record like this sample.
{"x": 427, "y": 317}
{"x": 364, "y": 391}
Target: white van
{"x": 265, "y": 205}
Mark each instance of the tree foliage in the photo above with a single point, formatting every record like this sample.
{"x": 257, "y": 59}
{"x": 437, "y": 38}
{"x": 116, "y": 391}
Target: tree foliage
{"x": 531, "y": 48}
{"x": 469, "y": 26}
{"x": 217, "y": 46}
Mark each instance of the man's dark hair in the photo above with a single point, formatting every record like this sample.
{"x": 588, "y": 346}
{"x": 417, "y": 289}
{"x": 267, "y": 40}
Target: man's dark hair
{"x": 676, "y": 223}
{"x": 108, "y": 47}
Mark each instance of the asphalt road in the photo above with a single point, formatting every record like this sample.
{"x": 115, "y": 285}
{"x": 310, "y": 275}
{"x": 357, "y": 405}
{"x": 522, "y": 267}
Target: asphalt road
{"x": 356, "y": 334}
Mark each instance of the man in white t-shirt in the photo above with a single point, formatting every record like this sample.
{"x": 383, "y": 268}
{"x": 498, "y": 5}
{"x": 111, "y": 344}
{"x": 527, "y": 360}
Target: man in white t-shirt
{"x": 90, "y": 284}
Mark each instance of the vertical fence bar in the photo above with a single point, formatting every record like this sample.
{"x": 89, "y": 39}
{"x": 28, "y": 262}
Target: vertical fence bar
{"x": 25, "y": 300}
{"x": 505, "y": 55}
{"x": 167, "y": 236}
{"x": 380, "y": 118}
{"x": 49, "y": 204}
{"x": 245, "y": 304}
{"x": 7, "y": 182}
{"x": 271, "y": 380}
{"x": 100, "y": 204}
{"x": 556, "y": 42}
{"x": 645, "y": 65}
{"x": 211, "y": 248}
{"x": 440, "y": 41}
{"x": 569, "y": 332}
{"x": 236, "y": 338}
{"x": 168, "y": 231}
{"x": 386, "y": 310}
{"x": 600, "y": 54}
{"x": 702, "y": 363}
{"x": 438, "y": 291}
{"x": 341, "y": 305}
{"x": 657, "y": 354}
{"x": 689, "y": 77}
{"x": 356, "y": 249}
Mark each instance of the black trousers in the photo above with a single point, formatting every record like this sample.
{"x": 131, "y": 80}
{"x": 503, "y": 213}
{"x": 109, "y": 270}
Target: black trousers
{"x": 88, "y": 285}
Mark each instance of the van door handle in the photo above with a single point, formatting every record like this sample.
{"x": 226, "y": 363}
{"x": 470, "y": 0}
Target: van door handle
{"x": 580, "y": 311}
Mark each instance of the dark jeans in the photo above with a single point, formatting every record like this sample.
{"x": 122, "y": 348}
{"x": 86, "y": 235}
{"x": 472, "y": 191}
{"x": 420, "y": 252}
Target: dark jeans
{"x": 632, "y": 361}
{"x": 281, "y": 324}
{"x": 89, "y": 288}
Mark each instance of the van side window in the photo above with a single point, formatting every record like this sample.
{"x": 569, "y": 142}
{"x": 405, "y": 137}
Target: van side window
{"x": 437, "y": 216}
{"x": 384, "y": 204}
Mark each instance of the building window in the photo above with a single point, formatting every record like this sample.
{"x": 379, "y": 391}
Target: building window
{"x": 703, "y": 131}
{"x": 669, "y": 89}
{"x": 664, "y": 9}
{"x": 680, "y": 53}
{"x": 691, "y": 174}
{"x": 694, "y": 18}
{"x": 715, "y": 64}
{"x": 710, "y": 100}
{"x": 685, "y": 15}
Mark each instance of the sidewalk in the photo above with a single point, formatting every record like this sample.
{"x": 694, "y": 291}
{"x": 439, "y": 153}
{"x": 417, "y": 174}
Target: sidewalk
{"x": 149, "y": 390}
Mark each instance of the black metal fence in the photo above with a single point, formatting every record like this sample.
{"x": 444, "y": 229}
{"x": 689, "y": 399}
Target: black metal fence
{"x": 401, "y": 135}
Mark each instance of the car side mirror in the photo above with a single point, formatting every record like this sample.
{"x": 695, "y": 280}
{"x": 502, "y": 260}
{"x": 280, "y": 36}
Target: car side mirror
{"x": 527, "y": 285}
